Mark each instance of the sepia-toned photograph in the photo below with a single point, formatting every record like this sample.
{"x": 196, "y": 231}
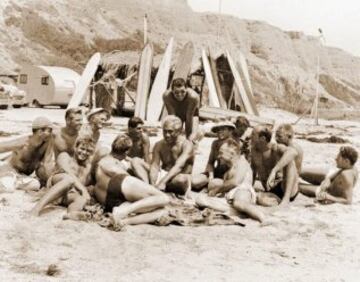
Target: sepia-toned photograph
{"x": 179, "y": 140}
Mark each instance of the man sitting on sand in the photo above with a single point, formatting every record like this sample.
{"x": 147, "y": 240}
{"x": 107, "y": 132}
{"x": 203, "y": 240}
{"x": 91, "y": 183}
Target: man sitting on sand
{"x": 235, "y": 184}
{"x": 141, "y": 143}
{"x": 172, "y": 160}
{"x": 285, "y": 136}
{"x": 264, "y": 157}
{"x": 184, "y": 103}
{"x": 224, "y": 131}
{"x": 70, "y": 179}
{"x": 66, "y": 136}
{"x": 30, "y": 157}
{"x": 336, "y": 186}
{"x": 242, "y": 134}
{"x": 97, "y": 118}
{"x": 123, "y": 194}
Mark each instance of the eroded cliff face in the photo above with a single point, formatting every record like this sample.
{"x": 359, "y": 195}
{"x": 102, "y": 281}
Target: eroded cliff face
{"x": 282, "y": 64}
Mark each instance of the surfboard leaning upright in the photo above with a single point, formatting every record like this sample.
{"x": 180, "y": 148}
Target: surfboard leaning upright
{"x": 214, "y": 72}
{"x": 144, "y": 76}
{"x": 85, "y": 80}
{"x": 213, "y": 97}
{"x": 160, "y": 84}
{"x": 248, "y": 107}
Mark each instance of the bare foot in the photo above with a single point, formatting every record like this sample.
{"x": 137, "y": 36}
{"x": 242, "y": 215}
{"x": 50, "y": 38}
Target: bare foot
{"x": 77, "y": 216}
{"x": 119, "y": 214}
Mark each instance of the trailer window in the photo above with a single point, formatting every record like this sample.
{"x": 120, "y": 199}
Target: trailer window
{"x": 45, "y": 80}
{"x": 23, "y": 78}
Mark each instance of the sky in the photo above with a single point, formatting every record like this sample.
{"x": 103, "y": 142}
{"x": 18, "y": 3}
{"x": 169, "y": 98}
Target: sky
{"x": 338, "y": 19}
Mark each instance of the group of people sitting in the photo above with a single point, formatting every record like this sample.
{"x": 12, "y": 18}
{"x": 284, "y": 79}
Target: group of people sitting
{"x": 133, "y": 184}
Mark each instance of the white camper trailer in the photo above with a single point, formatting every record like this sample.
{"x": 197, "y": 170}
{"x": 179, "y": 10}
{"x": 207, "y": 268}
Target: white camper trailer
{"x": 47, "y": 86}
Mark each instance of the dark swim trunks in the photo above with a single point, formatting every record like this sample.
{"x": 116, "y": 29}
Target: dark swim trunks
{"x": 115, "y": 196}
{"x": 278, "y": 191}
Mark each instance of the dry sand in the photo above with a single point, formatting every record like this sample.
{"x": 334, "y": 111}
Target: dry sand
{"x": 308, "y": 242}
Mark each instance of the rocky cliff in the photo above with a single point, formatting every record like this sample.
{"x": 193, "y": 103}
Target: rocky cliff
{"x": 282, "y": 63}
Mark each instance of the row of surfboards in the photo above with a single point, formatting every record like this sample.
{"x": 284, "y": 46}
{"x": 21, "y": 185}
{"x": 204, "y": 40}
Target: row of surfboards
{"x": 149, "y": 103}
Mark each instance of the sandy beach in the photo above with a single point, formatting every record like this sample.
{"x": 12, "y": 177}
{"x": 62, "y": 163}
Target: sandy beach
{"x": 307, "y": 242}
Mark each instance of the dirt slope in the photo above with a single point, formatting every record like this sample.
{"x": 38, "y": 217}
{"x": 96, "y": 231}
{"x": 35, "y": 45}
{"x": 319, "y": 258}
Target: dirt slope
{"x": 282, "y": 64}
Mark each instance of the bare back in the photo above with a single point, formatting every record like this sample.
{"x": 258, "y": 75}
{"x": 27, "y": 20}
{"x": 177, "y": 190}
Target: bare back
{"x": 107, "y": 167}
{"x": 343, "y": 183}
{"x": 63, "y": 142}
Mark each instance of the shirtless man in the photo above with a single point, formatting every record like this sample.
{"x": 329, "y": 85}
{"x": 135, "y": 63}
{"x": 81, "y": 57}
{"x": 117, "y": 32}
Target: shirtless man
{"x": 70, "y": 179}
{"x": 65, "y": 137}
{"x": 242, "y": 134}
{"x": 97, "y": 118}
{"x": 123, "y": 194}
{"x": 184, "y": 103}
{"x": 224, "y": 131}
{"x": 236, "y": 183}
{"x": 29, "y": 158}
{"x": 285, "y": 135}
{"x": 336, "y": 186}
{"x": 264, "y": 157}
{"x": 140, "y": 140}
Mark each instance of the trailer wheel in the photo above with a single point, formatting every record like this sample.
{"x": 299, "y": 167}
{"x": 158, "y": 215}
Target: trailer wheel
{"x": 3, "y": 107}
{"x": 36, "y": 104}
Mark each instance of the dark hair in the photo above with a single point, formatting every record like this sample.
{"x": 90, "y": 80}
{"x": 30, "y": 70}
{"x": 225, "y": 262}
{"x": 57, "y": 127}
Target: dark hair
{"x": 348, "y": 152}
{"x": 178, "y": 82}
{"x": 242, "y": 121}
{"x": 72, "y": 111}
{"x": 121, "y": 144}
{"x": 134, "y": 122}
{"x": 232, "y": 143}
{"x": 266, "y": 133}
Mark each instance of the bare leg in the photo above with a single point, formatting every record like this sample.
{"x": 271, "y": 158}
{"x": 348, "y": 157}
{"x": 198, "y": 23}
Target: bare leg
{"x": 180, "y": 184}
{"x": 308, "y": 189}
{"x": 242, "y": 202}
{"x": 143, "y": 196}
{"x": 314, "y": 175}
{"x": 267, "y": 199}
{"x": 291, "y": 183}
{"x": 145, "y": 218}
{"x": 141, "y": 169}
{"x": 203, "y": 200}
{"x": 198, "y": 182}
{"x": 63, "y": 183}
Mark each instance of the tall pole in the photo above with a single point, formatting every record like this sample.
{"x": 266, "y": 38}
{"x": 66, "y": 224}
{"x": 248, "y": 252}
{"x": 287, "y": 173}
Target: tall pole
{"x": 316, "y": 104}
{"x": 219, "y": 22}
{"x": 145, "y": 30}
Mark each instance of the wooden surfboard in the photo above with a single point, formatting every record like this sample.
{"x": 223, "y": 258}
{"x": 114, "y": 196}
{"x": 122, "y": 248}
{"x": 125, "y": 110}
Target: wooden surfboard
{"x": 244, "y": 71}
{"x": 85, "y": 80}
{"x": 144, "y": 77}
{"x": 217, "y": 82}
{"x": 213, "y": 97}
{"x": 248, "y": 90}
{"x": 160, "y": 84}
{"x": 244, "y": 97}
{"x": 183, "y": 67}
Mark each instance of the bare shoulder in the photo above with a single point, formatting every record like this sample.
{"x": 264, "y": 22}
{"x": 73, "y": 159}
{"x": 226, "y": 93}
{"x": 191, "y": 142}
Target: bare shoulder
{"x": 145, "y": 137}
{"x": 193, "y": 96}
{"x": 350, "y": 175}
{"x": 166, "y": 94}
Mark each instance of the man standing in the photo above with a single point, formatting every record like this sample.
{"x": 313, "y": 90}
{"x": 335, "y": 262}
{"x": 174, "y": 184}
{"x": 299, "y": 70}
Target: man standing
{"x": 184, "y": 103}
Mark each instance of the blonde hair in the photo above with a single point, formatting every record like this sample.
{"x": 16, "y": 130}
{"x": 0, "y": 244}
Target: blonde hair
{"x": 173, "y": 121}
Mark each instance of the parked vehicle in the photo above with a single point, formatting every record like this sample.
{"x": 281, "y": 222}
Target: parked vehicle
{"x": 11, "y": 95}
{"x": 48, "y": 86}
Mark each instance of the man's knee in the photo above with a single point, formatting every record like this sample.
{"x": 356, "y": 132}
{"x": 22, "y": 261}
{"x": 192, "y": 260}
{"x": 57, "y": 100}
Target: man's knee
{"x": 215, "y": 183}
{"x": 179, "y": 184}
{"x": 242, "y": 199}
{"x": 199, "y": 181}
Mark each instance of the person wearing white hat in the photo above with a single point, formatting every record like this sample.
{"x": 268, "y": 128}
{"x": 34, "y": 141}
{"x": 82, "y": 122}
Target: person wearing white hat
{"x": 97, "y": 118}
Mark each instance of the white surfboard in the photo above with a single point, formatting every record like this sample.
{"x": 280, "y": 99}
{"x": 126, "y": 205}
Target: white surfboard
{"x": 239, "y": 84}
{"x": 144, "y": 77}
{"x": 213, "y": 97}
{"x": 85, "y": 80}
{"x": 155, "y": 102}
